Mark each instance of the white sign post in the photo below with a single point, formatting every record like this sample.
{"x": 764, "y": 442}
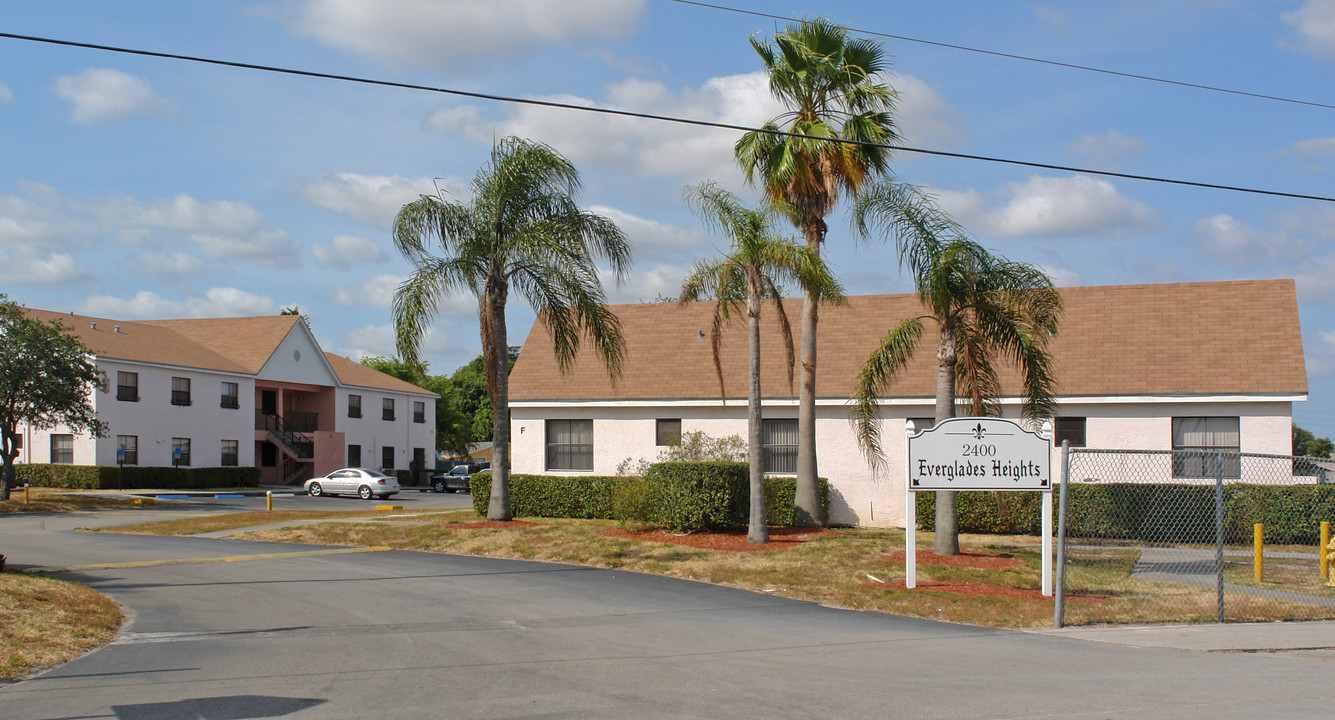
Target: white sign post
{"x": 977, "y": 453}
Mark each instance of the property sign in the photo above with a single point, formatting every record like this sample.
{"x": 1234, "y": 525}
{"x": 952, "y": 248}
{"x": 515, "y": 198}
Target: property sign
{"x": 978, "y": 453}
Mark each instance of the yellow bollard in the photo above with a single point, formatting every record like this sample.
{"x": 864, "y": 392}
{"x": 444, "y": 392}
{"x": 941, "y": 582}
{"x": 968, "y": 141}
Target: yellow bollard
{"x": 1257, "y": 544}
{"x": 1325, "y": 540}
{"x": 268, "y": 500}
{"x": 25, "y": 493}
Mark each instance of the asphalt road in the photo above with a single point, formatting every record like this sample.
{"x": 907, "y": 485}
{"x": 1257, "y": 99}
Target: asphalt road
{"x": 285, "y": 631}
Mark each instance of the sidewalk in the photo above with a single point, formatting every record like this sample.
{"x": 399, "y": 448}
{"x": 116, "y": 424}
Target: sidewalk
{"x": 1227, "y": 637}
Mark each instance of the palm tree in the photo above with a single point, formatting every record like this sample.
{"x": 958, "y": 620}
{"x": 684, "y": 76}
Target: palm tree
{"x": 521, "y": 231}
{"x": 830, "y": 85}
{"x": 987, "y": 310}
{"x": 741, "y": 282}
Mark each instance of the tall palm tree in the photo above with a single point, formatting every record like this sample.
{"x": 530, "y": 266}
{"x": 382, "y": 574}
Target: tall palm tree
{"x": 740, "y": 283}
{"x": 521, "y": 231}
{"x": 830, "y": 84}
{"x": 987, "y": 310}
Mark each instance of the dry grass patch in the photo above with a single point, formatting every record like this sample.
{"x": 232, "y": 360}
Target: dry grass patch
{"x": 58, "y": 500}
{"x": 234, "y": 521}
{"x": 45, "y": 622}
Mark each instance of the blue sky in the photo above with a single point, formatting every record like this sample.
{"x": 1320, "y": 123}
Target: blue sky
{"x": 135, "y": 187}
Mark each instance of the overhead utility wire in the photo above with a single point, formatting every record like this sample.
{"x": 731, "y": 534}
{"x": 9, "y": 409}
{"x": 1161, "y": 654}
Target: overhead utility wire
{"x": 1026, "y": 58}
{"x": 646, "y": 116}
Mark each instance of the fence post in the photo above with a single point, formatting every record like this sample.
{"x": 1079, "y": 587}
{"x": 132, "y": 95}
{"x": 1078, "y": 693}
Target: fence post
{"x": 1219, "y": 533}
{"x": 1258, "y": 551}
{"x": 1059, "y": 606}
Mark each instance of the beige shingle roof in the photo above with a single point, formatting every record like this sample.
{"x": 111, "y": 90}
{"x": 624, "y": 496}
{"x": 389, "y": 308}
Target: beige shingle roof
{"x": 239, "y": 345}
{"x": 1171, "y": 339}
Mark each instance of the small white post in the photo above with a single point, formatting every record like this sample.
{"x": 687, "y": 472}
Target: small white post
{"x": 1046, "y": 434}
{"x": 910, "y": 518}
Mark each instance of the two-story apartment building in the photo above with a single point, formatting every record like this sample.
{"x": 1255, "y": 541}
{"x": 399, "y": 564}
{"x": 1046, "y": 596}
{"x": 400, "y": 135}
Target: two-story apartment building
{"x": 251, "y": 391}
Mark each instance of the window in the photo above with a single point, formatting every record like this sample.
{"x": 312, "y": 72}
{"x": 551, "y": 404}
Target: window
{"x": 667, "y": 432}
{"x": 354, "y": 406}
{"x": 127, "y": 386}
{"x": 419, "y": 459}
{"x": 62, "y": 449}
{"x": 180, "y": 391}
{"x": 354, "y": 456}
{"x": 569, "y": 444}
{"x": 268, "y": 455}
{"x": 419, "y": 412}
{"x": 1068, "y": 428}
{"x": 387, "y": 409}
{"x": 230, "y": 451}
{"x": 231, "y": 396}
{"x": 181, "y": 452}
{"x": 127, "y": 449}
{"x": 1197, "y": 442}
{"x": 387, "y": 457}
{"x": 778, "y": 446}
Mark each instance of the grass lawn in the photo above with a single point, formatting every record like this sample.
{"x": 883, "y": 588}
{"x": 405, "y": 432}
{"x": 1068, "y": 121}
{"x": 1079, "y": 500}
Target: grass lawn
{"x": 45, "y": 622}
{"x": 61, "y": 500}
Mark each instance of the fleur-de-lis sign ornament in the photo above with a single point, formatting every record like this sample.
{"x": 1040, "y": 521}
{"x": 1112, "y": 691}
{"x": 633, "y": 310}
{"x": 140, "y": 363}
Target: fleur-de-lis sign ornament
{"x": 979, "y": 431}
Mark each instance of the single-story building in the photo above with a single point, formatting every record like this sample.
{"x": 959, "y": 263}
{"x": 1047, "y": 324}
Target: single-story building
{"x": 1149, "y": 367}
{"x": 249, "y": 391}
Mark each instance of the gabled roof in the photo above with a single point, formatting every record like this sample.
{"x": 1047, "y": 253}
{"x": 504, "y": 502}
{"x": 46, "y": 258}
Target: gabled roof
{"x": 1183, "y": 339}
{"x": 236, "y": 345}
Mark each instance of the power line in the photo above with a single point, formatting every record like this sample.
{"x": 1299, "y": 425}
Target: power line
{"x": 644, "y": 116}
{"x": 1025, "y": 58}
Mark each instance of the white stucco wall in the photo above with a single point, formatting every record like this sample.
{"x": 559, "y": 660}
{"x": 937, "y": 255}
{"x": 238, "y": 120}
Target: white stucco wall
{"x": 857, "y": 495}
{"x": 298, "y": 359}
{"x": 373, "y": 433}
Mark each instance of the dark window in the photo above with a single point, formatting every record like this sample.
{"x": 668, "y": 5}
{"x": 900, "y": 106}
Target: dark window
{"x": 778, "y": 446}
{"x": 268, "y": 455}
{"x": 231, "y": 395}
{"x": 387, "y": 457}
{"x": 180, "y": 391}
{"x": 668, "y": 432}
{"x": 181, "y": 452}
{"x": 127, "y": 386}
{"x": 354, "y": 456}
{"x": 268, "y": 402}
{"x": 230, "y": 451}
{"x": 569, "y": 444}
{"x": 387, "y": 409}
{"x": 354, "y": 406}
{"x": 1068, "y": 428}
{"x": 1200, "y": 444}
{"x": 130, "y": 444}
{"x": 419, "y": 459}
{"x": 62, "y": 449}
{"x": 419, "y": 412}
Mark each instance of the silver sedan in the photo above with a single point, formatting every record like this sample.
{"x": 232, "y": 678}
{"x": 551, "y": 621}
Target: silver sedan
{"x": 362, "y": 482}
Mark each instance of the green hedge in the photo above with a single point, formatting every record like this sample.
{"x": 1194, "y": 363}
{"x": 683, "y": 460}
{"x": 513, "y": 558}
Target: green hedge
{"x": 677, "y": 496}
{"x": 102, "y": 477}
{"x": 1149, "y": 512}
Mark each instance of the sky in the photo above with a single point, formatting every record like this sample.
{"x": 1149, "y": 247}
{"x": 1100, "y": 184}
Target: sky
{"x": 134, "y": 187}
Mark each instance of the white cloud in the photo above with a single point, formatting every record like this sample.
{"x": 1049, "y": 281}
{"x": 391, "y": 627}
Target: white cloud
{"x": 925, "y": 118}
{"x": 1316, "y": 147}
{"x": 459, "y": 34}
{"x": 23, "y": 268}
{"x": 1062, "y": 277}
{"x": 100, "y": 95}
{"x": 345, "y": 251}
{"x": 373, "y": 200}
{"x": 173, "y": 265}
{"x": 378, "y": 292}
{"x": 1050, "y": 207}
{"x": 1233, "y": 241}
{"x": 649, "y": 238}
{"x": 644, "y": 286}
{"x": 1320, "y": 355}
{"x": 222, "y": 229}
{"x": 1315, "y": 24}
{"x": 216, "y": 302}
{"x": 1108, "y": 147}
{"x": 1315, "y": 281}
{"x": 6, "y": 97}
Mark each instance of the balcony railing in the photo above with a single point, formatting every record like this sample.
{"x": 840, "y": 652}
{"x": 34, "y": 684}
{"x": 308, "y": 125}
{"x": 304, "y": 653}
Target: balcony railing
{"x": 230, "y": 402}
{"x": 302, "y": 422}
{"x": 127, "y": 393}
{"x": 180, "y": 397}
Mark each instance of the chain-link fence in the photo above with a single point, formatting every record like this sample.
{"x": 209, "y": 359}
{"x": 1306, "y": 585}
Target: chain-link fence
{"x": 1146, "y": 537}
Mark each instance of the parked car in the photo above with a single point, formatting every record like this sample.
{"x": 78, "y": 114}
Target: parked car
{"x": 362, "y": 482}
{"x": 455, "y": 480}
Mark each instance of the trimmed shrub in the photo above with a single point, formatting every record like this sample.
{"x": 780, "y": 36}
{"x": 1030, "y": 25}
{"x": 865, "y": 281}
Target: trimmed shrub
{"x": 698, "y": 496}
{"x": 102, "y": 477}
{"x": 633, "y": 505}
{"x": 780, "y": 492}
{"x": 554, "y": 496}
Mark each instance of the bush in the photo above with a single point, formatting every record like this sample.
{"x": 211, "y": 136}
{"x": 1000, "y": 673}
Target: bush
{"x": 698, "y": 496}
{"x": 633, "y": 505}
{"x": 102, "y": 477}
{"x": 554, "y": 496}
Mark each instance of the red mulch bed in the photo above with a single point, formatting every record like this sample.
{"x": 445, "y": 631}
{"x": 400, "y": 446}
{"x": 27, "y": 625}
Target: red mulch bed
{"x": 491, "y": 524}
{"x": 968, "y": 588}
{"x": 966, "y": 558}
{"x": 780, "y": 538}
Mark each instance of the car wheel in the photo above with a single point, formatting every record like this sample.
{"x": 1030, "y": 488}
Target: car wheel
{"x": 438, "y": 486}
{"x": 364, "y": 492}
{"x": 315, "y": 490}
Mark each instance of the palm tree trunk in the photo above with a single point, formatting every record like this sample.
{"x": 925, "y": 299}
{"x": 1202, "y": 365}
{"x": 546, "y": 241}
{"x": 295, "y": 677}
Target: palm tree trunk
{"x": 498, "y": 507}
{"x": 756, "y": 533}
{"x": 947, "y": 521}
{"x": 807, "y": 509}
